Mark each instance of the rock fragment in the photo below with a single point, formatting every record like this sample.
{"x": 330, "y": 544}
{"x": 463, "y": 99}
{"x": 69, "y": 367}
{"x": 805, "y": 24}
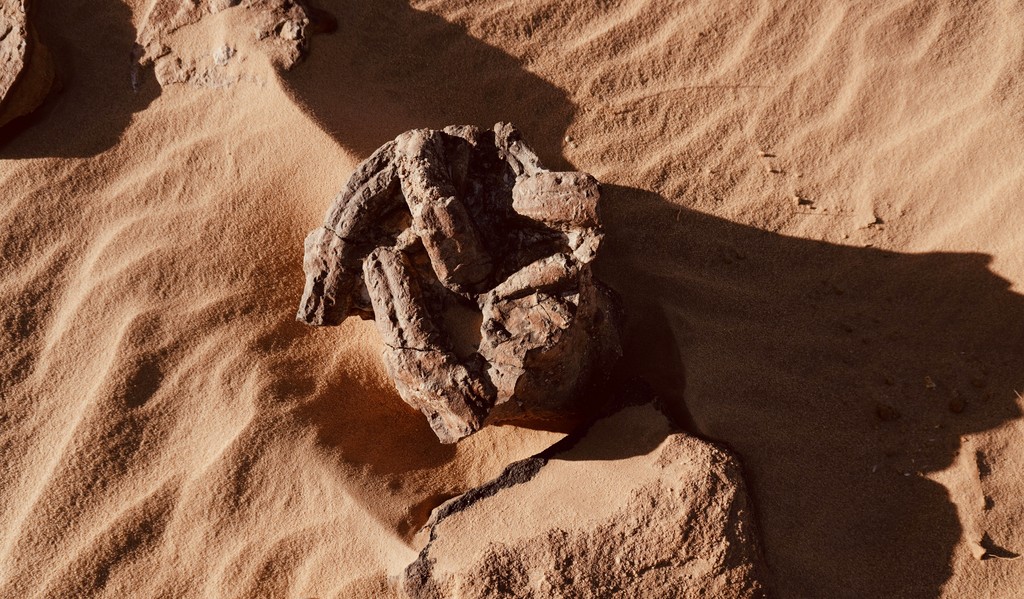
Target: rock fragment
{"x": 26, "y": 67}
{"x": 442, "y": 222}
{"x": 679, "y": 523}
{"x": 426, "y": 372}
{"x": 439, "y": 218}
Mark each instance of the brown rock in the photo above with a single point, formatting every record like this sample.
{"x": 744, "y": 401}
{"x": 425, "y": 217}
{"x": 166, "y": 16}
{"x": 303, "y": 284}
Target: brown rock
{"x": 439, "y": 218}
{"x": 548, "y": 527}
{"x": 561, "y": 199}
{"x": 464, "y": 219}
{"x": 278, "y": 28}
{"x": 356, "y": 223}
{"x": 26, "y": 67}
{"x": 426, "y": 372}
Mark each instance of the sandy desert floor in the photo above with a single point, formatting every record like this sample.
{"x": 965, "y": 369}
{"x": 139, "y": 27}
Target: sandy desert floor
{"x": 813, "y": 215}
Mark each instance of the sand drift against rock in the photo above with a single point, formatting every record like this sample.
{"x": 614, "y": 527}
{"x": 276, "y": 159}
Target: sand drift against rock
{"x": 475, "y": 263}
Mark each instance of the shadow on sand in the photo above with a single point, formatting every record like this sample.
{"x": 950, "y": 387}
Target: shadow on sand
{"x": 841, "y": 376}
{"x": 91, "y": 42}
{"x": 391, "y": 68}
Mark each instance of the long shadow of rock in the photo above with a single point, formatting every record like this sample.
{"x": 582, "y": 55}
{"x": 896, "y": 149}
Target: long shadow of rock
{"x": 91, "y": 42}
{"x": 841, "y": 376}
{"x": 390, "y": 68}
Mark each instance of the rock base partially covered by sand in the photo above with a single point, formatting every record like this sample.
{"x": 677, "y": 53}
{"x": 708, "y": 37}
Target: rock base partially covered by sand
{"x": 633, "y": 509}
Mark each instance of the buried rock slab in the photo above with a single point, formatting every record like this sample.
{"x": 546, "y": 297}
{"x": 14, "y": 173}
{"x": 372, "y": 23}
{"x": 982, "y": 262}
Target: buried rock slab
{"x": 475, "y": 263}
{"x": 632, "y": 509}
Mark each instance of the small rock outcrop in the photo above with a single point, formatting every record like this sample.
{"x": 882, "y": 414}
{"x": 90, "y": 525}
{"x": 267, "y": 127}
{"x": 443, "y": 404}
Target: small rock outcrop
{"x": 677, "y": 524}
{"x": 279, "y": 30}
{"x": 26, "y": 67}
{"x": 475, "y": 263}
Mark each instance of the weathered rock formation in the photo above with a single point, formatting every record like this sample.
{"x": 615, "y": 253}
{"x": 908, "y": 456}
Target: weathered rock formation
{"x": 26, "y": 68}
{"x": 279, "y": 30}
{"x": 678, "y": 523}
{"x": 475, "y": 263}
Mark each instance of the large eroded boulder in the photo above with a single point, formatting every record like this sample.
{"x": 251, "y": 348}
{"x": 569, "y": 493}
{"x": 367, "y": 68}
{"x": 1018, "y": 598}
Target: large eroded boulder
{"x": 475, "y": 263}
{"x": 633, "y": 509}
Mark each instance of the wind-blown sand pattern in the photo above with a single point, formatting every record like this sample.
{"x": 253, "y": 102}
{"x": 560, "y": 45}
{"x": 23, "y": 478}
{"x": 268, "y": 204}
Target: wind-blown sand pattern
{"x": 812, "y": 214}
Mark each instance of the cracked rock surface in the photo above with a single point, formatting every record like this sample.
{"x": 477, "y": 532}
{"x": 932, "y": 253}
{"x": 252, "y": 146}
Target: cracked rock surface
{"x": 26, "y": 68}
{"x": 678, "y": 524}
{"x": 475, "y": 263}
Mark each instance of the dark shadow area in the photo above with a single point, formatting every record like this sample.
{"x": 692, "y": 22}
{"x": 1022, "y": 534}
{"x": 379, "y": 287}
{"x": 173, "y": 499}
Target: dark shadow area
{"x": 91, "y": 42}
{"x": 841, "y": 376}
{"x": 390, "y": 68}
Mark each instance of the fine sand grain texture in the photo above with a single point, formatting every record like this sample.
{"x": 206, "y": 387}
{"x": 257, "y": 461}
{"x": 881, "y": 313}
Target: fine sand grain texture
{"x": 813, "y": 217}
